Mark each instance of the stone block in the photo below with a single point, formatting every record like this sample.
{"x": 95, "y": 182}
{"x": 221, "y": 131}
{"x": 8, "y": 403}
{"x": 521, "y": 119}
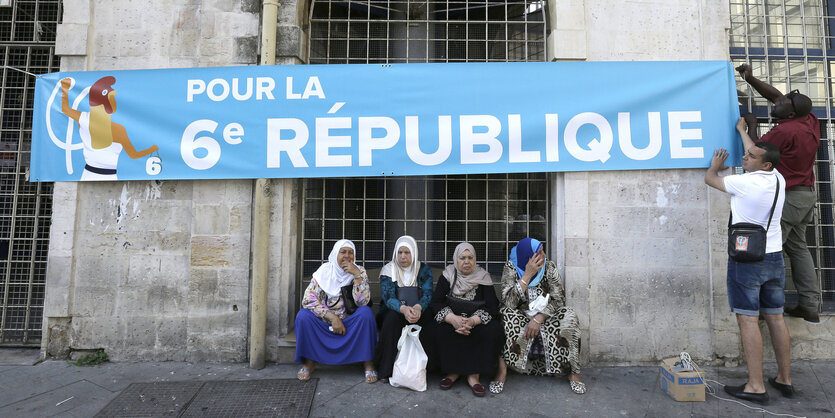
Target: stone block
{"x": 576, "y": 193}
{"x": 577, "y": 281}
{"x": 288, "y": 41}
{"x": 56, "y": 301}
{"x": 73, "y": 63}
{"x": 568, "y": 44}
{"x": 238, "y": 25}
{"x": 140, "y": 332}
{"x": 246, "y": 50}
{"x": 576, "y": 221}
{"x": 219, "y": 5}
{"x": 218, "y": 251}
{"x": 100, "y": 271}
{"x": 254, "y": 6}
{"x": 71, "y": 39}
{"x": 76, "y": 11}
{"x": 609, "y": 221}
{"x": 211, "y": 220}
{"x": 135, "y": 43}
{"x": 185, "y": 44}
{"x": 93, "y": 301}
{"x": 289, "y": 13}
{"x": 576, "y": 252}
{"x": 673, "y": 222}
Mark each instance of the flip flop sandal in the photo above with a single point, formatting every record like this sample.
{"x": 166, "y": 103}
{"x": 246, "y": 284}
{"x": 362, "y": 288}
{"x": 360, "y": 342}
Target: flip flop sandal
{"x": 577, "y": 387}
{"x": 303, "y": 374}
{"x": 496, "y": 387}
{"x": 370, "y": 376}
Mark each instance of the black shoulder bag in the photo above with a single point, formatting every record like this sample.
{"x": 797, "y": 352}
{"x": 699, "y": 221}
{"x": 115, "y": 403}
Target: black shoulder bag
{"x": 348, "y": 298}
{"x": 462, "y": 306}
{"x": 747, "y": 241}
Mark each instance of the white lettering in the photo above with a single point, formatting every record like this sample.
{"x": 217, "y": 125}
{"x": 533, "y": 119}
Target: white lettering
{"x": 293, "y": 146}
{"x": 236, "y": 89}
{"x": 313, "y": 88}
{"x": 195, "y": 87}
{"x": 224, "y": 88}
{"x": 444, "y": 141}
{"x": 469, "y": 139}
{"x": 290, "y": 94}
{"x": 232, "y": 133}
{"x": 514, "y": 130}
{"x": 598, "y": 148}
{"x": 679, "y": 134}
{"x": 265, "y": 86}
{"x": 366, "y": 141}
{"x": 325, "y": 141}
{"x": 625, "y": 137}
{"x": 552, "y": 136}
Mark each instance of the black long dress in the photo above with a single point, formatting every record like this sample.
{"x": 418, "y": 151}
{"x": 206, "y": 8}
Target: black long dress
{"x": 477, "y": 353}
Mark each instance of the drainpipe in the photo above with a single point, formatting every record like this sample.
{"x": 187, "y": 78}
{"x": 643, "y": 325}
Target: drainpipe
{"x": 261, "y": 219}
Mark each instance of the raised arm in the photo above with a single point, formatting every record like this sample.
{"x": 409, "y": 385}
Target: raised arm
{"x": 764, "y": 89}
{"x": 712, "y": 178}
{"x": 65, "y": 101}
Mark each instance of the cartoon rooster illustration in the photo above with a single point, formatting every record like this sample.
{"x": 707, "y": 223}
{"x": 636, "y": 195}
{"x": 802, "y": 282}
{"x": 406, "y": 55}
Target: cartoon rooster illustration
{"x": 103, "y": 139}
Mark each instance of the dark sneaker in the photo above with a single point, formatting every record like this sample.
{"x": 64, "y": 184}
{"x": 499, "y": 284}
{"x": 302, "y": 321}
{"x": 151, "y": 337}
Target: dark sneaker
{"x": 798, "y": 312}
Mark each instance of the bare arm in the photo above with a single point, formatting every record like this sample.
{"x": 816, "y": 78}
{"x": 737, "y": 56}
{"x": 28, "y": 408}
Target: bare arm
{"x": 743, "y": 129}
{"x": 121, "y": 136}
{"x": 65, "y": 101}
{"x": 764, "y": 89}
{"x": 717, "y": 164}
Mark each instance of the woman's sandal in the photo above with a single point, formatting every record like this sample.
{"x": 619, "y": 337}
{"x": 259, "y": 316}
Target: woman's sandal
{"x": 370, "y": 376}
{"x": 496, "y": 387}
{"x": 577, "y": 387}
{"x": 304, "y": 374}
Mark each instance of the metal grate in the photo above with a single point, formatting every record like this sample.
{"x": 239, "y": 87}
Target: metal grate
{"x": 789, "y": 44}
{"x": 490, "y": 211}
{"x": 397, "y": 31}
{"x": 27, "y": 38}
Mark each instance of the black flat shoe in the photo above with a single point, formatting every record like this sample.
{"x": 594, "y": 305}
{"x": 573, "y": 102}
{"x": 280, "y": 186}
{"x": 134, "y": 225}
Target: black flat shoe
{"x": 798, "y": 312}
{"x": 786, "y": 390}
{"x": 739, "y": 392}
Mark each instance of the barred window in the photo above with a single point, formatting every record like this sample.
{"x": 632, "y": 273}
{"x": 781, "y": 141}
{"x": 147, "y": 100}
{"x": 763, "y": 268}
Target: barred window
{"x": 789, "y": 45}
{"x": 491, "y": 211}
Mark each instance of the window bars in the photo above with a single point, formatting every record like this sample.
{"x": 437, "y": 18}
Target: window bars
{"x": 490, "y": 211}
{"x": 790, "y": 46}
{"x": 27, "y": 39}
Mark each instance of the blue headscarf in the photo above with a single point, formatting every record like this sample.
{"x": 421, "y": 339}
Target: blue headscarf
{"x": 521, "y": 253}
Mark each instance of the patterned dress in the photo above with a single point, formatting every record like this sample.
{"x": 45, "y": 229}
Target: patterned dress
{"x": 556, "y": 350}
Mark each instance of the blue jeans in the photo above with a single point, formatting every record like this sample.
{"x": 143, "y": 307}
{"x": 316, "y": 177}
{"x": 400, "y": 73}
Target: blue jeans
{"x": 757, "y": 287}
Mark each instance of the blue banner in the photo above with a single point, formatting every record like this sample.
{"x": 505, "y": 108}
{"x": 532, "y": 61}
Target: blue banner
{"x": 381, "y": 120}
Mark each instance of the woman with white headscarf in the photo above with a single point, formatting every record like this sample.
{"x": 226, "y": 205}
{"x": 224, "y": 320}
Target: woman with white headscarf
{"x": 324, "y": 331}
{"x": 467, "y": 334}
{"x": 406, "y": 288}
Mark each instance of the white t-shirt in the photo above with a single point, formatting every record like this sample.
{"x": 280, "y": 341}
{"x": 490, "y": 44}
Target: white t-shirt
{"x": 751, "y": 197}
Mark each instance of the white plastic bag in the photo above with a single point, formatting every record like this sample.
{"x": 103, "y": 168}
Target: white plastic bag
{"x": 410, "y": 365}
{"x": 538, "y": 305}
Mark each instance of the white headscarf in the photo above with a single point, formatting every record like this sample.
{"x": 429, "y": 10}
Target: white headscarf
{"x": 404, "y": 276}
{"x": 330, "y": 276}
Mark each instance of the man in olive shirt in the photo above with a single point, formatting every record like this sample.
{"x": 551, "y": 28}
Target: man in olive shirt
{"x": 797, "y": 135}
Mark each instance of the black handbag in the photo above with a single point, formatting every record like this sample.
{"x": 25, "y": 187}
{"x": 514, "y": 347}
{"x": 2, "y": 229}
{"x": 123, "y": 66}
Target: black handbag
{"x": 747, "y": 241}
{"x": 348, "y": 298}
{"x": 409, "y": 295}
{"x": 462, "y": 306}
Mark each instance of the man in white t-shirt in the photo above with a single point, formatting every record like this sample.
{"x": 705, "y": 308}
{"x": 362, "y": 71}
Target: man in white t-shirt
{"x": 756, "y": 288}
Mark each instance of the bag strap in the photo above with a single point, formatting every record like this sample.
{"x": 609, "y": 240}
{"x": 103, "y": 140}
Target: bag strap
{"x": 453, "y": 283}
{"x": 773, "y": 205}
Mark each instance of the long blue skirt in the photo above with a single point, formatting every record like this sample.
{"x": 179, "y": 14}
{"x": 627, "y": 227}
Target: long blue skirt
{"x": 316, "y": 342}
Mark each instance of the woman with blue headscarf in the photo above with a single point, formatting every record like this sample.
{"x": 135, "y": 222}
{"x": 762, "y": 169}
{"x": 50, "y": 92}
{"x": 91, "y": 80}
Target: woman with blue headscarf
{"x": 542, "y": 335}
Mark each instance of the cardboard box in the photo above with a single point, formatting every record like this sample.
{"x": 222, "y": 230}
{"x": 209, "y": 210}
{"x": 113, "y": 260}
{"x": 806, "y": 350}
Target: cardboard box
{"x": 686, "y": 386}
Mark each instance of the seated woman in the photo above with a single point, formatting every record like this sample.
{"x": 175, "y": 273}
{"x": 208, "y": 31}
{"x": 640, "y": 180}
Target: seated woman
{"x": 466, "y": 335}
{"x": 543, "y": 337}
{"x": 406, "y": 287}
{"x": 348, "y": 339}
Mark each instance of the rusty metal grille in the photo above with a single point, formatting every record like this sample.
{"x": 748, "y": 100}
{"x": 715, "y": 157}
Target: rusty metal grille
{"x": 27, "y": 39}
{"x": 490, "y": 211}
{"x": 790, "y": 46}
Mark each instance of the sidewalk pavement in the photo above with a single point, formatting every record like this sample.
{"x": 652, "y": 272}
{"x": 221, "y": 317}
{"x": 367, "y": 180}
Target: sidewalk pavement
{"x": 58, "y": 388}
